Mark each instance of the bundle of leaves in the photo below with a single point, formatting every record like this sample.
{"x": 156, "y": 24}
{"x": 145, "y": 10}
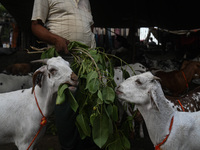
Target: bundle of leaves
{"x": 95, "y": 100}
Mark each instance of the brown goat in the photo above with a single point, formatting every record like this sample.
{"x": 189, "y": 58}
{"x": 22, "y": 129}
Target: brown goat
{"x": 19, "y": 69}
{"x": 176, "y": 82}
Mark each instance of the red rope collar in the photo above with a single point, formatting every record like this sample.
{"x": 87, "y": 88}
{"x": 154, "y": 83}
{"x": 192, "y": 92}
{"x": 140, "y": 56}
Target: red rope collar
{"x": 170, "y": 128}
{"x": 181, "y": 105}
{"x": 185, "y": 79}
{"x": 157, "y": 147}
{"x": 42, "y": 123}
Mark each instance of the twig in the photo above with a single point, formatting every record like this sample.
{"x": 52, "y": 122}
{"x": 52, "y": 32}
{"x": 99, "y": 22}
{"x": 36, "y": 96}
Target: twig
{"x": 39, "y": 49}
{"x": 35, "y": 52}
{"x": 97, "y": 68}
{"x": 119, "y": 59}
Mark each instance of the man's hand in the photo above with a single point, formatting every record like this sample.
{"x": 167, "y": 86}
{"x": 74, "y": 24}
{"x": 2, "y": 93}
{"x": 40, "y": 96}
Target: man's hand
{"x": 61, "y": 45}
{"x": 43, "y": 34}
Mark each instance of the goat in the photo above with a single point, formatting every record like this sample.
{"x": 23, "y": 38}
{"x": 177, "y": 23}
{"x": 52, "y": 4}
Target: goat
{"x": 190, "y": 102}
{"x": 177, "y": 81}
{"x": 10, "y": 83}
{"x": 136, "y": 68}
{"x": 168, "y": 128}
{"x": 19, "y": 69}
{"x": 19, "y": 115}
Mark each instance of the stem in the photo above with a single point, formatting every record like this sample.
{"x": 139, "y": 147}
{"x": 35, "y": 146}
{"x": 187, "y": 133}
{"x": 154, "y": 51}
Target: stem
{"x": 97, "y": 68}
{"x": 119, "y": 59}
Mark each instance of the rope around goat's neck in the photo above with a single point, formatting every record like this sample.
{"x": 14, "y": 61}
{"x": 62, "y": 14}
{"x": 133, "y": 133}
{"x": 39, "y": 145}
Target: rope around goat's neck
{"x": 42, "y": 123}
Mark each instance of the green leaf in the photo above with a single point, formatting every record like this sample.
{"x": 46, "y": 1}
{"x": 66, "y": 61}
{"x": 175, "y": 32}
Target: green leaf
{"x": 119, "y": 142}
{"x": 60, "y": 99}
{"x": 111, "y": 69}
{"x": 62, "y": 88}
{"x": 108, "y": 95}
{"x": 125, "y": 74}
{"x": 82, "y": 135}
{"x": 75, "y": 44}
{"x": 51, "y": 52}
{"x": 83, "y": 124}
{"x": 100, "y": 95}
{"x": 116, "y": 145}
{"x": 110, "y": 110}
{"x": 115, "y": 113}
{"x": 100, "y": 130}
{"x": 73, "y": 103}
{"x": 125, "y": 142}
{"x": 92, "y": 117}
{"x": 93, "y": 85}
{"x": 92, "y": 75}
{"x": 60, "y": 94}
{"x": 94, "y": 55}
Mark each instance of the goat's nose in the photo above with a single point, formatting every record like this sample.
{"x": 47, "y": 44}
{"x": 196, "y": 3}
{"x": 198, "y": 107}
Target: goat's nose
{"x": 74, "y": 77}
{"x": 118, "y": 87}
{"x": 118, "y": 92}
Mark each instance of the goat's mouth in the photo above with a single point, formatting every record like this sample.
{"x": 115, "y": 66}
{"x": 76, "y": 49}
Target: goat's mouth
{"x": 118, "y": 92}
{"x": 72, "y": 88}
{"x": 72, "y": 85}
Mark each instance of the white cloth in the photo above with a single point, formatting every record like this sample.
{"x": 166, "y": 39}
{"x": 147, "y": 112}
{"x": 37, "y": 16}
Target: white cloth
{"x": 70, "y": 19}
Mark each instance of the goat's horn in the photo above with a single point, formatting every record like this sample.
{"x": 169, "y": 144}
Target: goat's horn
{"x": 44, "y": 61}
{"x": 156, "y": 78}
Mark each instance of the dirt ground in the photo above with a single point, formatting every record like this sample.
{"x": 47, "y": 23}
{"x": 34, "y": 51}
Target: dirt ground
{"x": 48, "y": 142}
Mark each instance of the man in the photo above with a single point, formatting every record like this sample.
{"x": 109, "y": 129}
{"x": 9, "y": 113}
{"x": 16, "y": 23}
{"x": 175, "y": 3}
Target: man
{"x": 65, "y": 20}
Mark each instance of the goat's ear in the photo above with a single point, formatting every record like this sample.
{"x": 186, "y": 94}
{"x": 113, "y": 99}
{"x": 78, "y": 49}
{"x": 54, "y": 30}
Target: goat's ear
{"x": 37, "y": 78}
{"x": 153, "y": 101}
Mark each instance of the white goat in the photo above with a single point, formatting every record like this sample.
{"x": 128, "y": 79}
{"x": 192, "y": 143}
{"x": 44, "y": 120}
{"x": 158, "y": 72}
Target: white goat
{"x": 19, "y": 115}
{"x": 137, "y": 69}
{"x": 10, "y": 83}
{"x": 146, "y": 93}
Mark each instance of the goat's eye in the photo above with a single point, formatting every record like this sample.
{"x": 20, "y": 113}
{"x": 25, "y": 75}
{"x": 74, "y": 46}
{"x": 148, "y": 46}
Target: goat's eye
{"x": 138, "y": 82}
{"x": 53, "y": 71}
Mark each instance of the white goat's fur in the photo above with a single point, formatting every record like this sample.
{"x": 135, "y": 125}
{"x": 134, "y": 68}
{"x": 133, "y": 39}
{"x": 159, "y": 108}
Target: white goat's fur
{"x": 19, "y": 115}
{"x": 10, "y": 83}
{"x": 146, "y": 93}
{"x": 135, "y": 69}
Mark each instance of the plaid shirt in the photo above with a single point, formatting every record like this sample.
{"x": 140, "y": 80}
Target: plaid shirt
{"x": 70, "y": 19}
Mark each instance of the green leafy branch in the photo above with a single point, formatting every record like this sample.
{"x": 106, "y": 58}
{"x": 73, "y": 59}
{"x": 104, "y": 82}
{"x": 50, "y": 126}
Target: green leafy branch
{"x": 95, "y": 100}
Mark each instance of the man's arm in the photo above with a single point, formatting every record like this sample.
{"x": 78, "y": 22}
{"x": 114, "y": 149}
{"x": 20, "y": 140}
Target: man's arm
{"x": 43, "y": 34}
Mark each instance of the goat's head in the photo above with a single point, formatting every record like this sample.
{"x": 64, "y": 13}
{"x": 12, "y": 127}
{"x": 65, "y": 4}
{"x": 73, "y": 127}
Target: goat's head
{"x": 139, "y": 68}
{"x": 139, "y": 89}
{"x": 57, "y": 71}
